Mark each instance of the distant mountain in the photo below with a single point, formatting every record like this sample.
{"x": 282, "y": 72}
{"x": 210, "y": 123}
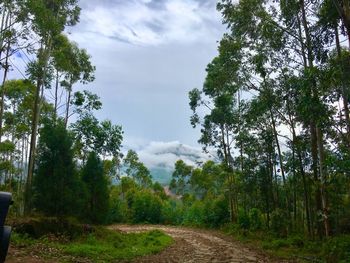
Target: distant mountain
{"x": 160, "y": 157}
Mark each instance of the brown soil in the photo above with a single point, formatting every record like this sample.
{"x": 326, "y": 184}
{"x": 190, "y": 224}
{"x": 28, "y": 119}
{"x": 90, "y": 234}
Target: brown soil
{"x": 198, "y": 246}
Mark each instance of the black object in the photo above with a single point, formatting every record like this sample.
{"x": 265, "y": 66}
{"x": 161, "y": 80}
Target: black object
{"x": 5, "y": 231}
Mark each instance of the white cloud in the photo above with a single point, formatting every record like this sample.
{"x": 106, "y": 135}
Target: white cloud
{"x": 165, "y": 154}
{"x": 149, "y": 22}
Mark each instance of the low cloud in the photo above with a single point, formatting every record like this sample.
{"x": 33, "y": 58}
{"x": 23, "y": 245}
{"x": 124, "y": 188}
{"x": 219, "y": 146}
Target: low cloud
{"x": 165, "y": 154}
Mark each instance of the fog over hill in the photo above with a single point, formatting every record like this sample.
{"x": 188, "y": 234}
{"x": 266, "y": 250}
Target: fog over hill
{"x": 160, "y": 157}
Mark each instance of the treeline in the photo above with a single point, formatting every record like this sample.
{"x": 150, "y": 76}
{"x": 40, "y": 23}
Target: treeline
{"x": 51, "y": 165}
{"x": 198, "y": 201}
{"x": 275, "y": 106}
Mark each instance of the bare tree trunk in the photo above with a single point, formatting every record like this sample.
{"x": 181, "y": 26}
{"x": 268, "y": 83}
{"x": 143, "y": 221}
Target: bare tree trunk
{"x": 323, "y": 175}
{"x": 56, "y": 93}
{"x": 278, "y": 147}
{"x": 68, "y": 106}
{"x": 3, "y": 92}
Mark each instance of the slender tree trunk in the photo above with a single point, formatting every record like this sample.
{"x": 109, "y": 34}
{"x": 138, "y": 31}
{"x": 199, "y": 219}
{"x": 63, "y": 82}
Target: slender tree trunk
{"x": 4, "y": 23}
{"x": 3, "y": 92}
{"x": 56, "y": 93}
{"x": 68, "y": 106}
{"x": 278, "y": 147}
{"x": 45, "y": 56}
{"x": 35, "y": 123}
{"x": 316, "y": 143}
{"x": 323, "y": 175}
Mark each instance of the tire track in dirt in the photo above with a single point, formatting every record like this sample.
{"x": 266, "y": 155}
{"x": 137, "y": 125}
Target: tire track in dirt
{"x": 197, "y": 246}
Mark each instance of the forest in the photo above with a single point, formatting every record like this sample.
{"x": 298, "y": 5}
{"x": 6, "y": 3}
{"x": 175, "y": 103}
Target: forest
{"x": 274, "y": 107}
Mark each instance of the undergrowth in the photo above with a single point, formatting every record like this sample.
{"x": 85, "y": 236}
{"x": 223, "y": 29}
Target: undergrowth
{"x": 96, "y": 244}
{"x": 332, "y": 250}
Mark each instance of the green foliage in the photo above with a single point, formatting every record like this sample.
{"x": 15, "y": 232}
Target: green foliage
{"x": 107, "y": 246}
{"x": 243, "y": 219}
{"x": 95, "y": 244}
{"x": 97, "y": 189}
{"x": 279, "y": 222}
{"x": 57, "y": 187}
{"x": 146, "y": 207}
{"x": 172, "y": 212}
{"x": 194, "y": 215}
{"x": 255, "y": 219}
{"x": 216, "y": 212}
{"x": 337, "y": 249}
{"x": 118, "y": 209}
{"x": 137, "y": 170}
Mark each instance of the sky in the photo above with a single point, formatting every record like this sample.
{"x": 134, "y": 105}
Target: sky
{"x": 148, "y": 54}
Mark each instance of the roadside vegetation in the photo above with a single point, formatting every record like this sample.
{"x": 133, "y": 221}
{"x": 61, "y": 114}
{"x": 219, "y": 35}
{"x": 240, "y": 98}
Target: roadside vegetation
{"x": 67, "y": 240}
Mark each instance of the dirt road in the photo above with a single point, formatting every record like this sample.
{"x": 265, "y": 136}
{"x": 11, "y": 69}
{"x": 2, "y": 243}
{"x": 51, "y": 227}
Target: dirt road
{"x": 198, "y": 246}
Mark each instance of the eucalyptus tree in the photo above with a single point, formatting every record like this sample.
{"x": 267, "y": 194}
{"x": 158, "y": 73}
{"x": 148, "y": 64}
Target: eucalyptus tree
{"x": 137, "y": 170}
{"x": 91, "y": 135}
{"x": 275, "y": 37}
{"x": 48, "y": 19}
{"x": 14, "y": 32}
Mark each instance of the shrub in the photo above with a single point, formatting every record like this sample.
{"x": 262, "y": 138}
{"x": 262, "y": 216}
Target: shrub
{"x": 172, "y": 212}
{"x": 337, "y": 249}
{"x": 216, "y": 212}
{"x": 255, "y": 219}
{"x": 279, "y": 223}
{"x": 146, "y": 207}
{"x": 243, "y": 219}
{"x": 194, "y": 215}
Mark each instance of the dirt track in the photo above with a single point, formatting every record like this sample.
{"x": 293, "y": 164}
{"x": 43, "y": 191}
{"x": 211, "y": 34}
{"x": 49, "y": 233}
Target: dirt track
{"x": 198, "y": 246}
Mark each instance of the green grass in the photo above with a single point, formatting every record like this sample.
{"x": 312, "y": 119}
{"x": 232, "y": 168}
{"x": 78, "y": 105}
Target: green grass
{"x": 102, "y": 245}
{"x": 297, "y": 247}
{"x": 105, "y": 245}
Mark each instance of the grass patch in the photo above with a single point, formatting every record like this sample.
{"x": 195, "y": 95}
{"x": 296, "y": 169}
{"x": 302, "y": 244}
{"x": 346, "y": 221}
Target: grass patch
{"x": 297, "y": 247}
{"x": 106, "y": 245}
{"x": 96, "y": 245}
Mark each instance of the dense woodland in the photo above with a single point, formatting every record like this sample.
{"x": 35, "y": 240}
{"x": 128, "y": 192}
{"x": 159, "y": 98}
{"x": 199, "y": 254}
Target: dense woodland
{"x": 274, "y": 106}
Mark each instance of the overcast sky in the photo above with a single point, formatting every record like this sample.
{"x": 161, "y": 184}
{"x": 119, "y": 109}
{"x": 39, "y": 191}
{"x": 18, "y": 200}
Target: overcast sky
{"x": 148, "y": 55}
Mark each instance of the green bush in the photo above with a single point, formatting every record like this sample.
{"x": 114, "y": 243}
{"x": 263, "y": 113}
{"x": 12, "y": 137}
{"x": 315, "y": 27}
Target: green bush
{"x": 146, "y": 207}
{"x": 255, "y": 219}
{"x": 216, "y": 212}
{"x": 243, "y": 219}
{"x": 276, "y": 244}
{"x": 337, "y": 249}
{"x": 172, "y": 212}
{"x": 279, "y": 223}
{"x": 194, "y": 215}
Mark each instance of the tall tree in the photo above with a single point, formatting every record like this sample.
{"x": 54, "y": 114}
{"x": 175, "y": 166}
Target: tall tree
{"x": 97, "y": 189}
{"x": 57, "y": 186}
{"x": 48, "y": 19}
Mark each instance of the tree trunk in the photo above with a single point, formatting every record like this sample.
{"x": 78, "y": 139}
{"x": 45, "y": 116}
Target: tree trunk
{"x": 56, "y": 93}
{"x": 68, "y": 106}
{"x": 35, "y": 123}
{"x": 3, "y": 92}
{"x": 316, "y": 143}
{"x": 323, "y": 176}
